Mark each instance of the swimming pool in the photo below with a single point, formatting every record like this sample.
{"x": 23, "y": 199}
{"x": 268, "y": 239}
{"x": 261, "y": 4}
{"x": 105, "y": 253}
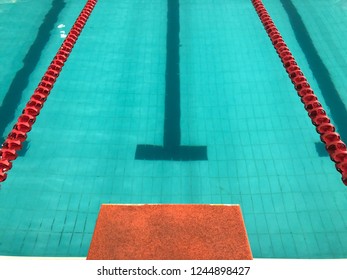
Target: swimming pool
{"x": 235, "y": 100}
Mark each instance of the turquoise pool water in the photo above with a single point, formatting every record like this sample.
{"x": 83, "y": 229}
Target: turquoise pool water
{"x": 235, "y": 99}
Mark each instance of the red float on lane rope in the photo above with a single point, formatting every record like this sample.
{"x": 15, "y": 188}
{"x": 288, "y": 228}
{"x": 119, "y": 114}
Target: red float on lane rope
{"x": 18, "y": 135}
{"x": 333, "y": 144}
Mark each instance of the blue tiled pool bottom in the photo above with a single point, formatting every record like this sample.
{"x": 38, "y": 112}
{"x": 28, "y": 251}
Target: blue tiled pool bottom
{"x": 235, "y": 99}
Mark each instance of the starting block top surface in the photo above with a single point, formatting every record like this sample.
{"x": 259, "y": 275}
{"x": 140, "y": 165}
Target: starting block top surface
{"x": 169, "y": 232}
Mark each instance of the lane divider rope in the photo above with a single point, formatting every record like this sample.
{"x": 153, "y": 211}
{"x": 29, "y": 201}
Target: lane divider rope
{"x": 334, "y": 145}
{"x": 13, "y": 142}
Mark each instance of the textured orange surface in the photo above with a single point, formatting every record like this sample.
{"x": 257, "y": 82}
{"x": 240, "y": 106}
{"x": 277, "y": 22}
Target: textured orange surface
{"x": 169, "y": 232}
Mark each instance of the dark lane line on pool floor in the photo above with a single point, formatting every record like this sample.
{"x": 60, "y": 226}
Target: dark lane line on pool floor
{"x": 330, "y": 94}
{"x": 172, "y": 148}
{"x": 13, "y": 96}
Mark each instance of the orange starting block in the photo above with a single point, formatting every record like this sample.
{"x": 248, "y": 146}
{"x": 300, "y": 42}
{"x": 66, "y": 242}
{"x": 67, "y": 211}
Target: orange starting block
{"x": 169, "y": 232}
